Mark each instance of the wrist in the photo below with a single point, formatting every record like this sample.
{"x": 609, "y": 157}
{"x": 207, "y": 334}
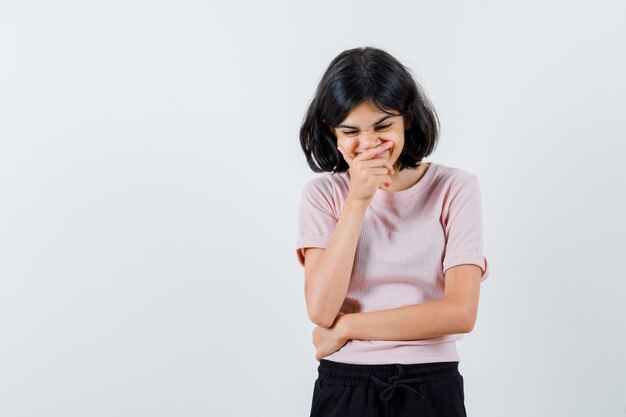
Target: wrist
{"x": 356, "y": 204}
{"x": 344, "y": 326}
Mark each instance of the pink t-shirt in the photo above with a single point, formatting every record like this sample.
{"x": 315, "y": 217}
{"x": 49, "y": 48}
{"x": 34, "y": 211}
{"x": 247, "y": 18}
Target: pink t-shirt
{"x": 408, "y": 240}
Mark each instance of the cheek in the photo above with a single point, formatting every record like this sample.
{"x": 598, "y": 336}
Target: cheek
{"x": 346, "y": 143}
{"x": 397, "y": 146}
{"x": 399, "y": 140}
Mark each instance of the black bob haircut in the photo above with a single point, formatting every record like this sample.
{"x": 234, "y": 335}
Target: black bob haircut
{"x": 355, "y": 76}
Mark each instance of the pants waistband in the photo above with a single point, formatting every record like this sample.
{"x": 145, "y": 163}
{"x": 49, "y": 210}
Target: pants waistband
{"x": 387, "y": 377}
{"x": 357, "y": 375}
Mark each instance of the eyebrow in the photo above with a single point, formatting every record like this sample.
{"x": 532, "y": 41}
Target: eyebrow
{"x": 373, "y": 124}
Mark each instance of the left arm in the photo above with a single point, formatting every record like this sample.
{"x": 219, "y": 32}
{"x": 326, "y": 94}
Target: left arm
{"x": 455, "y": 313}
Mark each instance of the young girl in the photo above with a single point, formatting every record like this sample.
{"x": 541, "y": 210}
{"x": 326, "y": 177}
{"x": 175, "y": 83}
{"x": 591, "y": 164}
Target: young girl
{"x": 391, "y": 245}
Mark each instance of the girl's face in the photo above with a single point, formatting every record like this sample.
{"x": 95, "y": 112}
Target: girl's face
{"x": 366, "y": 127}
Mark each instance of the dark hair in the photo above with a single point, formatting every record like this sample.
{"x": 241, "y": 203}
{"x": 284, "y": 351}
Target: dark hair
{"x": 353, "y": 77}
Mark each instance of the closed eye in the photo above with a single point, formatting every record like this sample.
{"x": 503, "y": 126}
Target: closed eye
{"x": 378, "y": 128}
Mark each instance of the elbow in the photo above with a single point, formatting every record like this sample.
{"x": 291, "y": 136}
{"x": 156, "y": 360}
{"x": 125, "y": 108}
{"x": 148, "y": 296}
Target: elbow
{"x": 469, "y": 326}
{"x": 319, "y": 307}
{"x": 462, "y": 317}
{"x": 320, "y": 319}
{"x": 468, "y": 321}
{"x": 322, "y": 322}
{"x": 319, "y": 316}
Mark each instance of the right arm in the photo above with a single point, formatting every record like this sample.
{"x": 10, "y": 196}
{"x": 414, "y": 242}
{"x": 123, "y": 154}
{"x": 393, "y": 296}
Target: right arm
{"x": 328, "y": 271}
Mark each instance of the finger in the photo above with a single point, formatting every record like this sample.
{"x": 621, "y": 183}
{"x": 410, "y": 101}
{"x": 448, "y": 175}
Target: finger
{"x": 376, "y": 162}
{"x": 346, "y": 155}
{"x": 370, "y": 153}
{"x": 379, "y": 171}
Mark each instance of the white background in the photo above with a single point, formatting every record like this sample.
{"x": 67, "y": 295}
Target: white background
{"x": 150, "y": 174}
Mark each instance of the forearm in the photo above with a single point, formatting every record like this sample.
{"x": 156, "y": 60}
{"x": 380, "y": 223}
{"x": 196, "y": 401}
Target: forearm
{"x": 330, "y": 278}
{"x": 419, "y": 321}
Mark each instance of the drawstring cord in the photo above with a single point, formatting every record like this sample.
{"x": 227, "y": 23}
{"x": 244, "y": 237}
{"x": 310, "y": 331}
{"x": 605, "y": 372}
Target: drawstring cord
{"x": 395, "y": 382}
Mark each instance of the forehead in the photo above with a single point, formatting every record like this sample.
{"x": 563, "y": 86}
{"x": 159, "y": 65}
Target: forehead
{"x": 364, "y": 110}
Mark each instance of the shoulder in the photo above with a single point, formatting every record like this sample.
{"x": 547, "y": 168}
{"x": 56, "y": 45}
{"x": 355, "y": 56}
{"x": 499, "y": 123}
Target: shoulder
{"x": 329, "y": 185}
{"x": 327, "y": 191}
{"x": 451, "y": 180}
{"x": 454, "y": 175}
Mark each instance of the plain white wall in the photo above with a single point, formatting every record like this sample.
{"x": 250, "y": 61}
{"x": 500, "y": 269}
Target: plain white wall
{"x": 150, "y": 174}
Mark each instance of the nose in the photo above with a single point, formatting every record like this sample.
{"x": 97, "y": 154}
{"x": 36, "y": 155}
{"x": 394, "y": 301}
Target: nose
{"x": 369, "y": 140}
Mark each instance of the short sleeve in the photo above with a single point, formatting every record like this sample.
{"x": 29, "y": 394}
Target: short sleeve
{"x": 316, "y": 216}
{"x": 464, "y": 227}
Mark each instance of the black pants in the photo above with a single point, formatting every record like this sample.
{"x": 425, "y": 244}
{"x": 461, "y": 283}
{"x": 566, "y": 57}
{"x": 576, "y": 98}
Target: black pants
{"x": 390, "y": 390}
